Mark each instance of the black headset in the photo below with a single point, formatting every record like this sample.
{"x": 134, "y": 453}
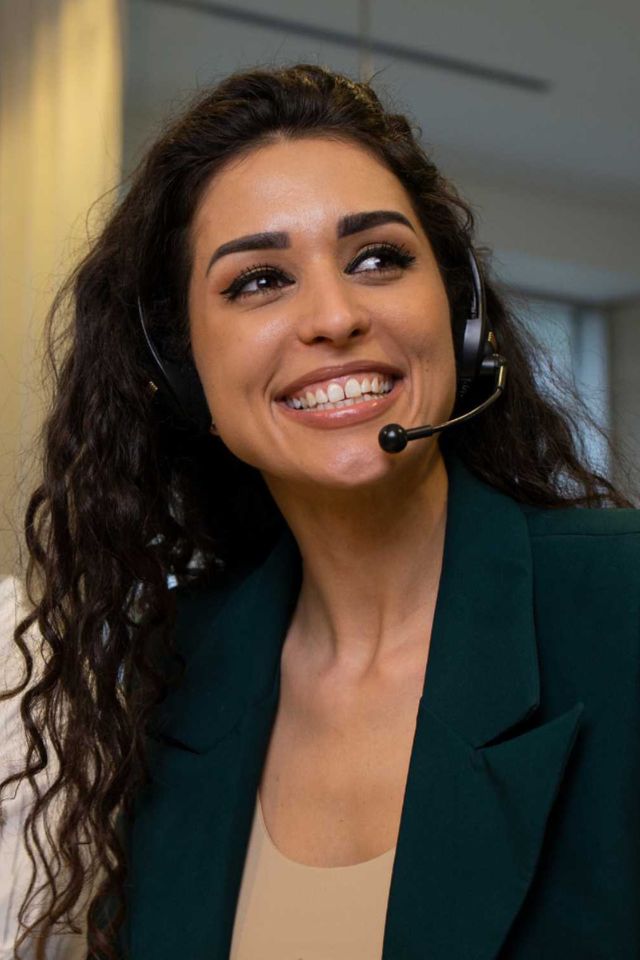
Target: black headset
{"x": 477, "y": 359}
{"x": 177, "y": 385}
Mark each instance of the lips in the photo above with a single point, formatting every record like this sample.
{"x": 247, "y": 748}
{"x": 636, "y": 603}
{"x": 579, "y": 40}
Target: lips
{"x": 337, "y": 417}
{"x": 327, "y": 373}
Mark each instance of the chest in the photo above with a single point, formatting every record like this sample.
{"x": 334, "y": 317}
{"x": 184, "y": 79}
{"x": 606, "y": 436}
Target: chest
{"x": 335, "y": 771}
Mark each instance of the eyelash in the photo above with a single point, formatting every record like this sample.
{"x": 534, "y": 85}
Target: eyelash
{"x": 399, "y": 254}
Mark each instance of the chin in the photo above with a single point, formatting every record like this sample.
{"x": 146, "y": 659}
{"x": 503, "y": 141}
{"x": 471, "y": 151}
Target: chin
{"x": 356, "y": 469}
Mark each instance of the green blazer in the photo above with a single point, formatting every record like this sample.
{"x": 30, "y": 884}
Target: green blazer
{"x": 520, "y": 829}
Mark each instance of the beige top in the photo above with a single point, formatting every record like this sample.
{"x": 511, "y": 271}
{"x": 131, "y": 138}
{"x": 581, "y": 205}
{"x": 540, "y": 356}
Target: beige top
{"x": 291, "y": 911}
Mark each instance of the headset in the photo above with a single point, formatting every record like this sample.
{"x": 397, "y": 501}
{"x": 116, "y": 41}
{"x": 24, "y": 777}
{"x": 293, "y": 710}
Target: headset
{"x": 177, "y": 385}
{"x": 477, "y": 359}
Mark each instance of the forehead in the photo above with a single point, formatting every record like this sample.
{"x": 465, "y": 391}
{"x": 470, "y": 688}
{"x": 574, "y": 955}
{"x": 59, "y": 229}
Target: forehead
{"x": 293, "y": 185}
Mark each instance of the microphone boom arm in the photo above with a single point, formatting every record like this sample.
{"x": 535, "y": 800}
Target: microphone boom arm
{"x": 393, "y": 438}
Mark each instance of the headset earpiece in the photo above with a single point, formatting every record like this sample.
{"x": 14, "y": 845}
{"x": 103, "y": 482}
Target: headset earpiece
{"x": 478, "y": 348}
{"x": 179, "y": 386}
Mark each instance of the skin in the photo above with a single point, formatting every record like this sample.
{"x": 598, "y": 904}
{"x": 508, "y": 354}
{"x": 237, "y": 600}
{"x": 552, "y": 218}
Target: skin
{"x": 369, "y": 525}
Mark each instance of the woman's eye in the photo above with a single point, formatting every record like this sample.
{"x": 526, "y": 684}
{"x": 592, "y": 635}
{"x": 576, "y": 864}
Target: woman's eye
{"x": 253, "y": 275}
{"x": 378, "y": 258}
{"x": 381, "y": 257}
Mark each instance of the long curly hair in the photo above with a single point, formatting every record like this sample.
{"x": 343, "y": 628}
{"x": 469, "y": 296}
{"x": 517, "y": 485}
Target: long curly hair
{"x": 124, "y": 508}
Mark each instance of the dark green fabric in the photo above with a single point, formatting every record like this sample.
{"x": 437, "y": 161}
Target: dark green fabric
{"x": 520, "y": 834}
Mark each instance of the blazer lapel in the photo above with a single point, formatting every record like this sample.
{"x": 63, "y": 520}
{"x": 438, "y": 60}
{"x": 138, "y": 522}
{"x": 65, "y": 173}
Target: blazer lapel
{"x": 482, "y": 777}
{"x": 192, "y": 821}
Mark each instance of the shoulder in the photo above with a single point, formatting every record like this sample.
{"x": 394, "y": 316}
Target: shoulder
{"x": 590, "y": 547}
{"x": 570, "y": 522}
{"x": 197, "y": 605}
{"x": 586, "y": 607}
{"x": 200, "y": 602}
{"x": 585, "y": 549}
{"x": 586, "y": 588}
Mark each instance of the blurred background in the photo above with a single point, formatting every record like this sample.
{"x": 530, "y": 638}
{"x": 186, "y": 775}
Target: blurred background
{"x": 531, "y": 108}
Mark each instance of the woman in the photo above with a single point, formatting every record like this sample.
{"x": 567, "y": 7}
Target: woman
{"x": 390, "y": 709}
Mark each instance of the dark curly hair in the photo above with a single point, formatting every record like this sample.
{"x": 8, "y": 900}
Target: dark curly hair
{"x": 124, "y": 507}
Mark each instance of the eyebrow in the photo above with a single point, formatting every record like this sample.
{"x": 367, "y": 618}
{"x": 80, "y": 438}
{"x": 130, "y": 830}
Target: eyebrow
{"x": 347, "y": 226}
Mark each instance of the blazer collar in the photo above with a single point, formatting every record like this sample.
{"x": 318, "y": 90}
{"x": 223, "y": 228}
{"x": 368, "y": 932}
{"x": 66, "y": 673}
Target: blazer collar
{"x": 482, "y": 777}
{"x": 482, "y": 674}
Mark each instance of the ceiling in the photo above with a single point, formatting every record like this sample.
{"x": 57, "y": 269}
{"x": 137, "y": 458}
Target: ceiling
{"x": 554, "y": 174}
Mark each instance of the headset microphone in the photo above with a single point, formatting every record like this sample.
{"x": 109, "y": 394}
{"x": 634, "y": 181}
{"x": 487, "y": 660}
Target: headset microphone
{"x": 478, "y": 359}
{"x": 393, "y": 438}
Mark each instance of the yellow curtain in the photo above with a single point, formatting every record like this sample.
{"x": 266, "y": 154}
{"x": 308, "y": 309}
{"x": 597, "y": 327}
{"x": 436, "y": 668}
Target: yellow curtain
{"x": 60, "y": 152}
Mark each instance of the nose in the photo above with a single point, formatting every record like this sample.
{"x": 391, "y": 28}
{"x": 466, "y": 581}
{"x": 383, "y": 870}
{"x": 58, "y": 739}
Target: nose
{"x": 332, "y": 311}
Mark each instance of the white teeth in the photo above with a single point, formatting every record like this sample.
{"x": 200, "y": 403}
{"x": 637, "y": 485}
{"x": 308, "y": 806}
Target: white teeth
{"x": 353, "y": 392}
{"x": 334, "y": 393}
{"x": 352, "y": 388}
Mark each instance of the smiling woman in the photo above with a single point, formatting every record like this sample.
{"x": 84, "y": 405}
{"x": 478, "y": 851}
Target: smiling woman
{"x": 337, "y": 293}
{"x": 374, "y": 718}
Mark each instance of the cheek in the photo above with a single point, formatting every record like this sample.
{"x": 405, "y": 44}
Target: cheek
{"x": 232, "y": 376}
{"x": 225, "y": 386}
{"x": 440, "y": 373}
{"x": 432, "y": 335}
{"x": 216, "y": 357}
{"x": 433, "y": 350}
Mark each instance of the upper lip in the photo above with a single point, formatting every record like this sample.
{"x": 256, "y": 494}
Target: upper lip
{"x": 327, "y": 373}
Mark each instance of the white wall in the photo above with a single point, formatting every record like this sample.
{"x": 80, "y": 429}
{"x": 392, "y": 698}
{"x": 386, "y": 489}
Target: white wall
{"x": 549, "y": 242}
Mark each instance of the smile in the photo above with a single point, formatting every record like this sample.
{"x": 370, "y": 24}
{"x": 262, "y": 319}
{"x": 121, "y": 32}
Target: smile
{"x": 339, "y": 405}
{"x": 344, "y": 391}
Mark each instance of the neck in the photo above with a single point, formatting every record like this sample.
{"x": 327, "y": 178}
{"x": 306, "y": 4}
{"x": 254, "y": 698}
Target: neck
{"x": 371, "y": 562}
